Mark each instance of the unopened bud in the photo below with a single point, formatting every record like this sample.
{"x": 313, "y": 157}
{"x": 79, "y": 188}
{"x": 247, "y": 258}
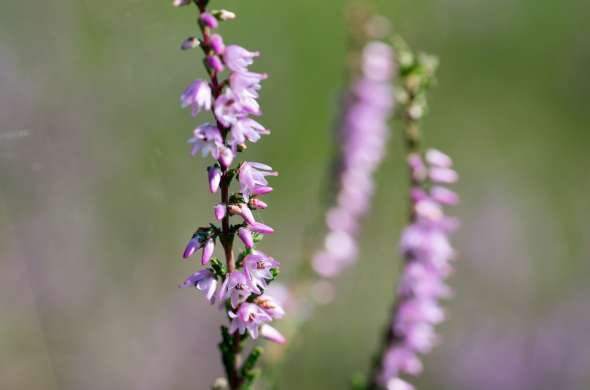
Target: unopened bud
{"x": 263, "y": 190}
{"x": 191, "y": 248}
{"x": 219, "y": 212}
{"x": 246, "y": 237}
{"x": 271, "y": 334}
{"x": 216, "y": 43}
{"x": 180, "y": 3}
{"x": 246, "y": 213}
{"x": 257, "y": 204}
{"x": 208, "y": 249}
{"x": 190, "y": 43}
{"x": 208, "y": 20}
{"x": 261, "y": 228}
{"x": 223, "y": 14}
{"x": 214, "y": 63}
{"x": 226, "y": 156}
{"x": 214, "y": 174}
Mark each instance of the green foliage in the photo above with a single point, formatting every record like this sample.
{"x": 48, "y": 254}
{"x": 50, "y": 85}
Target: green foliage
{"x": 226, "y": 348}
{"x": 218, "y": 268}
{"x": 248, "y": 371}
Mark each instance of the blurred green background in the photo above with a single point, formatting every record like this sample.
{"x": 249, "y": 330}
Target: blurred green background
{"x": 98, "y": 192}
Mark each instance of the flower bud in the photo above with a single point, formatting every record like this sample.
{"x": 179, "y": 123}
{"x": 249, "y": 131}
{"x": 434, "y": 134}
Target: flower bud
{"x": 257, "y": 204}
{"x": 213, "y": 62}
{"x": 223, "y": 15}
{"x": 261, "y": 228}
{"x": 418, "y": 194}
{"x": 216, "y": 43}
{"x": 219, "y": 212}
{"x": 439, "y": 159}
{"x": 443, "y": 175}
{"x": 263, "y": 190}
{"x": 246, "y": 213}
{"x": 208, "y": 20}
{"x": 190, "y": 43}
{"x": 444, "y": 195}
{"x": 180, "y": 3}
{"x": 208, "y": 249}
{"x": 246, "y": 237}
{"x": 214, "y": 178}
{"x": 226, "y": 157}
{"x": 271, "y": 334}
{"x": 191, "y": 248}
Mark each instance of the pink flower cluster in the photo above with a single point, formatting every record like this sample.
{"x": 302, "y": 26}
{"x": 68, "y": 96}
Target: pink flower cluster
{"x": 425, "y": 246}
{"x": 364, "y": 135}
{"x": 233, "y": 102}
{"x": 232, "y": 107}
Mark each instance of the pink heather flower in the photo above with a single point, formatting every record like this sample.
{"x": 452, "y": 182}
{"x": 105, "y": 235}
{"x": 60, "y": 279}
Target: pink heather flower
{"x": 226, "y": 156}
{"x": 427, "y": 210}
{"x": 261, "y": 228}
{"x": 219, "y": 210}
{"x": 423, "y": 282}
{"x": 417, "y": 167}
{"x": 270, "y": 306}
{"x": 246, "y": 83}
{"x": 363, "y": 133}
{"x": 214, "y": 174}
{"x": 238, "y": 59}
{"x": 216, "y": 42}
{"x": 207, "y": 140}
{"x": 204, "y": 281}
{"x": 198, "y": 96}
{"x": 231, "y": 107}
{"x": 257, "y": 204}
{"x": 246, "y": 237}
{"x": 421, "y": 337}
{"x": 208, "y": 20}
{"x": 419, "y": 311}
{"x": 208, "y": 249}
{"x": 378, "y": 61}
{"x": 228, "y": 109}
{"x": 438, "y": 159}
{"x": 417, "y": 194}
{"x": 257, "y": 266}
{"x": 444, "y": 196}
{"x": 263, "y": 190}
{"x": 443, "y": 175}
{"x": 426, "y": 248}
{"x": 214, "y": 63}
{"x": 246, "y": 129}
{"x": 253, "y": 175}
{"x": 191, "y": 248}
{"x": 398, "y": 361}
{"x": 249, "y": 317}
{"x": 238, "y": 288}
{"x": 271, "y": 334}
{"x": 246, "y": 213}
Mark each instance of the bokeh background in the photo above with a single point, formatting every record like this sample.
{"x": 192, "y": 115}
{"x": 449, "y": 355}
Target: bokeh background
{"x": 98, "y": 194}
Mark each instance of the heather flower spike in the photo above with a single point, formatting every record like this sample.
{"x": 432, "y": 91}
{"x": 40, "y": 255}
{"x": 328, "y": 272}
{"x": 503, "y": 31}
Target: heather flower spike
{"x": 363, "y": 137}
{"x": 424, "y": 243}
{"x": 239, "y": 285}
